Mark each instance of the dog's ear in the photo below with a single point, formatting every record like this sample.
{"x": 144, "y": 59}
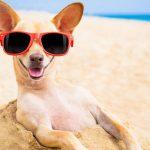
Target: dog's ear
{"x": 69, "y": 17}
{"x": 8, "y": 17}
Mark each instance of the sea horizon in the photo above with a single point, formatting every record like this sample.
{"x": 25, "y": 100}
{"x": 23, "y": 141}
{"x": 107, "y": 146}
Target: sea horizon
{"x": 140, "y": 17}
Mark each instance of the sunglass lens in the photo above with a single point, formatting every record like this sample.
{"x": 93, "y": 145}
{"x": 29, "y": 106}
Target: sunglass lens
{"x": 55, "y": 43}
{"x": 15, "y": 43}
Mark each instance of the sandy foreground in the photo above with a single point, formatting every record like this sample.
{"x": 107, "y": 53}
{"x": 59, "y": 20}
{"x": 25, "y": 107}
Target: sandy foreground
{"x": 112, "y": 59}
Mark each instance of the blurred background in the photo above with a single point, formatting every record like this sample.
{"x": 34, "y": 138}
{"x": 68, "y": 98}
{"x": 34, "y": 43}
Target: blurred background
{"x": 128, "y": 9}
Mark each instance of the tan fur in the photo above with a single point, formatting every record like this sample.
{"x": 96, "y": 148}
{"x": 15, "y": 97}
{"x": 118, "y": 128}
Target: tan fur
{"x": 12, "y": 18}
{"x": 52, "y": 110}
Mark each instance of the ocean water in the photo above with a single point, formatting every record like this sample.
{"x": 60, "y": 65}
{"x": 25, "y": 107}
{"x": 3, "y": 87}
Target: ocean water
{"x": 141, "y": 17}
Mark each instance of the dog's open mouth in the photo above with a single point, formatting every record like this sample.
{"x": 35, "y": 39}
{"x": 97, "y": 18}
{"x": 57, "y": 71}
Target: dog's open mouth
{"x": 36, "y": 73}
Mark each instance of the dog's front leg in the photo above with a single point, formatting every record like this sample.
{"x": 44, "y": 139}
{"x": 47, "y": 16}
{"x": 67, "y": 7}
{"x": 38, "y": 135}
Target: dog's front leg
{"x": 56, "y": 138}
{"x": 116, "y": 129}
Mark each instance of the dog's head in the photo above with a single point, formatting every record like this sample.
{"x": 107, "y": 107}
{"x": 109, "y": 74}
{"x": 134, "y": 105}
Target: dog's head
{"x": 35, "y": 64}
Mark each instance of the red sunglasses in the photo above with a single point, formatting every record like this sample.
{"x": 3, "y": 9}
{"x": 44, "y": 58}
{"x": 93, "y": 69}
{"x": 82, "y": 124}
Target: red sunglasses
{"x": 53, "y": 43}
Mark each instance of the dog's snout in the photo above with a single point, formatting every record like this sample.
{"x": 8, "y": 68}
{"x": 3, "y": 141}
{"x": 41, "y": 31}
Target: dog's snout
{"x": 36, "y": 57}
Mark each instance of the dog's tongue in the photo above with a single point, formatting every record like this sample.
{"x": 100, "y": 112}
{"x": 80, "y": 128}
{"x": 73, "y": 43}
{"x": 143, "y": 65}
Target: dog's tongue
{"x": 36, "y": 72}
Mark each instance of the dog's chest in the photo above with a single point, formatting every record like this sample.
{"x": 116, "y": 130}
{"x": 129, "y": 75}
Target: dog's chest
{"x": 70, "y": 117}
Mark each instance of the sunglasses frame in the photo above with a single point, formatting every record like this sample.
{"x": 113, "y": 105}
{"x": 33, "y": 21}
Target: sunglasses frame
{"x": 37, "y": 38}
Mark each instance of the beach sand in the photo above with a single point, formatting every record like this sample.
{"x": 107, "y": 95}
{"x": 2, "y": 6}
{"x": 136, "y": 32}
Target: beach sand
{"x": 112, "y": 59}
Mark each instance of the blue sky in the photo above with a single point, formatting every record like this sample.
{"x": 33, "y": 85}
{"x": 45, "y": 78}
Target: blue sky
{"x": 91, "y": 6}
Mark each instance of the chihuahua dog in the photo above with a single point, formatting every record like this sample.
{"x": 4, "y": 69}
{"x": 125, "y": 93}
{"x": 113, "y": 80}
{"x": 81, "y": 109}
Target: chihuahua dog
{"x": 52, "y": 111}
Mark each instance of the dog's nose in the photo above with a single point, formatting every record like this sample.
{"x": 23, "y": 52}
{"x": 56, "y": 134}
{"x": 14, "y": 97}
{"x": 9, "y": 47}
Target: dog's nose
{"x": 36, "y": 57}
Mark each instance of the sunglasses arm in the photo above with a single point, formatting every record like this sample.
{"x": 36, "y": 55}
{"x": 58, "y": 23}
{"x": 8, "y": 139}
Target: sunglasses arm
{"x": 71, "y": 41}
{"x": 1, "y": 38}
